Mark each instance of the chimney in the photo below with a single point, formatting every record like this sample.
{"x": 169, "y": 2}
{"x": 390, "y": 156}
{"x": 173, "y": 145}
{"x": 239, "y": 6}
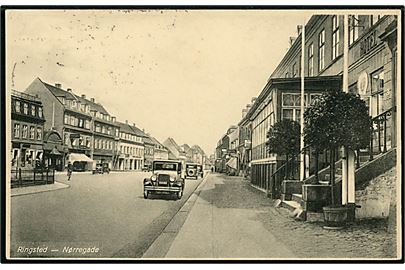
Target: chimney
{"x": 253, "y": 99}
{"x": 134, "y": 124}
{"x": 69, "y": 90}
{"x": 292, "y": 40}
{"x": 83, "y": 96}
{"x": 244, "y": 112}
{"x": 113, "y": 118}
{"x": 126, "y": 122}
{"x": 58, "y": 85}
{"x": 93, "y": 100}
{"x": 299, "y": 29}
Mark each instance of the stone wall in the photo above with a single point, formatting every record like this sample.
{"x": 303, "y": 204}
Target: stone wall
{"x": 378, "y": 198}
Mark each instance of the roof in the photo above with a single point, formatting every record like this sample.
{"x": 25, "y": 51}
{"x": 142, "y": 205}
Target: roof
{"x": 59, "y": 92}
{"x": 156, "y": 142}
{"x": 138, "y": 132}
{"x": 186, "y": 147}
{"x": 173, "y": 142}
{"x": 125, "y": 127}
{"x": 198, "y": 148}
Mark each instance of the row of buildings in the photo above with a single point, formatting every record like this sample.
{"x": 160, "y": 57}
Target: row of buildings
{"x": 372, "y": 75}
{"x": 51, "y": 126}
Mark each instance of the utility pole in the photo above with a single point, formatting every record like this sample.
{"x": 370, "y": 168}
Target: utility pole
{"x": 303, "y": 156}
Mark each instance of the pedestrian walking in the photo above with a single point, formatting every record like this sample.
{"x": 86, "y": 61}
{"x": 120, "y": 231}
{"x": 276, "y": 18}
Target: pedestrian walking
{"x": 69, "y": 170}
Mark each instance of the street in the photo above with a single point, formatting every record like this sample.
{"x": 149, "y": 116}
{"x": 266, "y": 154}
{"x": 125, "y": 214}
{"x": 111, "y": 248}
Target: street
{"x": 105, "y": 211}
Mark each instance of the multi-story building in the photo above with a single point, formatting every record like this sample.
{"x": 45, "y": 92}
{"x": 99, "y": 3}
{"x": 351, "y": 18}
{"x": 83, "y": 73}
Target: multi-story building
{"x": 245, "y": 142}
{"x": 159, "y": 151}
{"x": 131, "y": 148}
{"x": 27, "y": 130}
{"x": 88, "y": 131}
{"x": 149, "y": 149}
{"x": 175, "y": 151}
{"x": 105, "y": 130}
{"x": 222, "y": 151}
{"x": 199, "y": 156}
{"x": 372, "y": 75}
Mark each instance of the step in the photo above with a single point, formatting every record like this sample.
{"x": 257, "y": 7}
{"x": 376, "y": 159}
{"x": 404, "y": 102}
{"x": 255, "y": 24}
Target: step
{"x": 291, "y": 205}
{"x": 297, "y": 198}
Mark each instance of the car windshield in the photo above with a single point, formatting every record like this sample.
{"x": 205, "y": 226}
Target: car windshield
{"x": 192, "y": 166}
{"x": 165, "y": 166}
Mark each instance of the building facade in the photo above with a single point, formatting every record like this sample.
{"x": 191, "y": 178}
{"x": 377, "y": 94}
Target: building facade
{"x": 27, "y": 131}
{"x": 131, "y": 148}
{"x": 159, "y": 152}
{"x": 175, "y": 151}
{"x": 372, "y": 75}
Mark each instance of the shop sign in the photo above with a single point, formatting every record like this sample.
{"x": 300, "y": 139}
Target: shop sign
{"x": 368, "y": 43}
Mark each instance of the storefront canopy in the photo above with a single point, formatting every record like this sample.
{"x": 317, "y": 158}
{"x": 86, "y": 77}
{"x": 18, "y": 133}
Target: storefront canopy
{"x": 79, "y": 157}
{"x": 232, "y": 163}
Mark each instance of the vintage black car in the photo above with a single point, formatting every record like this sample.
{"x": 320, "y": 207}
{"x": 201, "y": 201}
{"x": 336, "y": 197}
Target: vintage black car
{"x": 191, "y": 170}
{"x": 101, "y": 168}
{"x": 166, "y": 178}
{"x": 200, "y": 171}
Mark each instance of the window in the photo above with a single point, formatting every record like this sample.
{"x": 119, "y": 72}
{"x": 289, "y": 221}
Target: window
{"x": 24, "y": 131}
{"x": 292, "y": 106}
{"x": 17, "y": 106}
{"x": 87, "y": 124}
{"x": 103, "y": 129}
{"x": 374, "y": 19}
{"x": 32, "y": 133}
{"x": 81, "y": 123}
{"x": 321, "y": 50}
{"x": 335, "y": 37}
{"x": 72, "y": 120}
{"x": 16, "y": 130}
{"x": 40, "y": 112}
{"x": 73, "y": 103}
{"x": 294, "y": 70}
{"x": 66, "y": 120}
{"x": 287, "y": 75}
{"x": 39, "y": 133}
{"x": 25, "y": 108}
{"x": 98, "y": 128}
{"x": 311, "y": 60}
{"x": 377, "y": 93}
{"x": 353, "y": 28}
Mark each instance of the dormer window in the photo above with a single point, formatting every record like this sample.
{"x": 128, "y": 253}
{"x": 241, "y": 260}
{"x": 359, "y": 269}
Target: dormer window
{"x": 73, "y": 104}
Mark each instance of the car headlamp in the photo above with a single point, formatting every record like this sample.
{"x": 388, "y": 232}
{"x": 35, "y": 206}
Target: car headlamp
{"x": 153, "y": 178}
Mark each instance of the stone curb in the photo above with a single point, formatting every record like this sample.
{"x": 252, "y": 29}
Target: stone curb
{"x": 38, "y": 189}
{"x": 162, "y": 244}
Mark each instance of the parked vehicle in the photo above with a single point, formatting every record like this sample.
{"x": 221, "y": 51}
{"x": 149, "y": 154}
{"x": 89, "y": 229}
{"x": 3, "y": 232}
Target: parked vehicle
{"x": 146, "y": 168}
{"x": 200, "y": 171}
{"x": 166, "y": 178}
{"x": 191, "y": 170}
{"x": 101, "y": 168}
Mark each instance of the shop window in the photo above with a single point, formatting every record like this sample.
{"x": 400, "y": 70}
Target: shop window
{"x": 17, "y": 106}
{"x": 321, "y": 50}
{"x": 24, "y": 131}
{"x": 311, "y": 60}
{"x": 16, "y": 130}
{"x": 39, "y": 133}
{"x": 32, "y": 133}
{"x": 335, "y": 37}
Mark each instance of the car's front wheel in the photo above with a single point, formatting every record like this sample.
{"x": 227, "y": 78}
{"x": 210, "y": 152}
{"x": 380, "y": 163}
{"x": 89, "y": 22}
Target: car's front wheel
{"x": 145, "y": 194}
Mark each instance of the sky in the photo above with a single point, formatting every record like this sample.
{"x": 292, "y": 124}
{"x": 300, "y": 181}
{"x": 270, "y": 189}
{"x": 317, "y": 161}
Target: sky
{"x": 185, "y": 74}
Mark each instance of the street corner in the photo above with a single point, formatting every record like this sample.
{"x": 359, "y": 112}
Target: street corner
{"x": 38, "y": 189}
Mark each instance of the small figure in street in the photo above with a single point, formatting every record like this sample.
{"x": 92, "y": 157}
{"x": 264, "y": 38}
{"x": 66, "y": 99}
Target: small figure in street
{"x": 69, "y": 170}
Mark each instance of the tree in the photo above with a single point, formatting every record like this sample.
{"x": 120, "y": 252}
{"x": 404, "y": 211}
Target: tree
{"x": 337, "y": 119}
{"x": 283, "y": 138}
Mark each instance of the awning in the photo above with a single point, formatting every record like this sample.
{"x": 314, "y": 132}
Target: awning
{"x": 79, "y": 157}
{"x": 232, "y": 163}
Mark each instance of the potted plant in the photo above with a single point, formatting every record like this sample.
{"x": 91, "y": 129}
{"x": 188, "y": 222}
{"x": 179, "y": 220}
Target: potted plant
{"x": 337, "y": 119}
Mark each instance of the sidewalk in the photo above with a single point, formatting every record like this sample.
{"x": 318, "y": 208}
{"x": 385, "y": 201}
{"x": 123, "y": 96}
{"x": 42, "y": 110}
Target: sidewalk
{"x": 231, "y": 219}
{"x": 37, "y": 189}
{"x": 223, "y": 224}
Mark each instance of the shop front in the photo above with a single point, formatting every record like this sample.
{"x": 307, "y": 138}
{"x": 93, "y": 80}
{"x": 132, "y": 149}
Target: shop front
{"x": 54, "y": 151}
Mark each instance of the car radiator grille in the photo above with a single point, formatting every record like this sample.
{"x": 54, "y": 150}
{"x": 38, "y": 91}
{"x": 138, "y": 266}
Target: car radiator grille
{"x": 163, "y": 179}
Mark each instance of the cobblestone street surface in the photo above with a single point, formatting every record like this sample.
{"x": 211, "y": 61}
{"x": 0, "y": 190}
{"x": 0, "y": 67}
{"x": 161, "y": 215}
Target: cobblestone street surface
{"x": 280, "y": 236}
